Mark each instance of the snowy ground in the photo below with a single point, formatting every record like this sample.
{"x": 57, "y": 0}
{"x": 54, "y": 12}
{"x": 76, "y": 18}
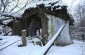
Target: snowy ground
{"x": 74, "y": 49}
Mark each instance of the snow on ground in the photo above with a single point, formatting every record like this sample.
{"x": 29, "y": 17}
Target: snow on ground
{"x": 30, "y": 49}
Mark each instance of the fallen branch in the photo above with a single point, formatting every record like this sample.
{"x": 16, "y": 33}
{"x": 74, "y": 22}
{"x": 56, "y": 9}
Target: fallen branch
{"x": 49, "y": 44}
{"x": 8, "y": 45}
{"x": 4, "y": 43}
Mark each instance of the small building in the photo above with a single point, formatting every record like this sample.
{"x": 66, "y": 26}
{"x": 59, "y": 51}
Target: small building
{"x": 45, "y": 18}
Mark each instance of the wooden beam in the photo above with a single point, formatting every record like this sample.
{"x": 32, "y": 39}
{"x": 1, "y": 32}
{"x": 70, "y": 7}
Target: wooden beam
{"x": 44, "y": 22}
{"x": 17, "y": 27}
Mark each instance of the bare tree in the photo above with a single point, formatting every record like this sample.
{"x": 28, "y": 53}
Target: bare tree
{"x": 80, "y": 15}
{"x": 8, "y": 8}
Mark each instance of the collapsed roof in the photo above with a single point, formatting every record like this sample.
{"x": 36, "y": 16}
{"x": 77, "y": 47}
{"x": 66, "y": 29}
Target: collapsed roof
{"x": 56, "y": 9}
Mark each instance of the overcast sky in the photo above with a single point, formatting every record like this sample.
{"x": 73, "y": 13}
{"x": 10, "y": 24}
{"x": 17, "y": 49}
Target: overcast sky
{"x": 71, "y": 2}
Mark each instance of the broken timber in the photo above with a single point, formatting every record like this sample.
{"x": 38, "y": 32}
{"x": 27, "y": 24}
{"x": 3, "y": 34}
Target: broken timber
{"x": 44, "y": 22}
{"x": 49, "y": 44}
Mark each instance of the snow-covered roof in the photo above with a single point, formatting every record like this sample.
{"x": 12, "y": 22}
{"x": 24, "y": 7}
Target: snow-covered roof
{"x": 47, "y": 3}
{"x": 55, "y": 8}
{"x": 34, "y": 5}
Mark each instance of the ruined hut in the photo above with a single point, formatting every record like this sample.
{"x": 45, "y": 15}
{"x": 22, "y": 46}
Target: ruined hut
{"x": 45, "y": 18}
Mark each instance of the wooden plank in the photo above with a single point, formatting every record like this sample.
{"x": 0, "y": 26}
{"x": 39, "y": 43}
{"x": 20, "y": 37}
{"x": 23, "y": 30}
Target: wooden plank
{"x": 44, "y": 22}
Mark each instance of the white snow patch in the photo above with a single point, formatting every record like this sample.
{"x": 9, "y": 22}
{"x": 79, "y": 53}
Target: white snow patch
{"x": 30, "y": 49}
